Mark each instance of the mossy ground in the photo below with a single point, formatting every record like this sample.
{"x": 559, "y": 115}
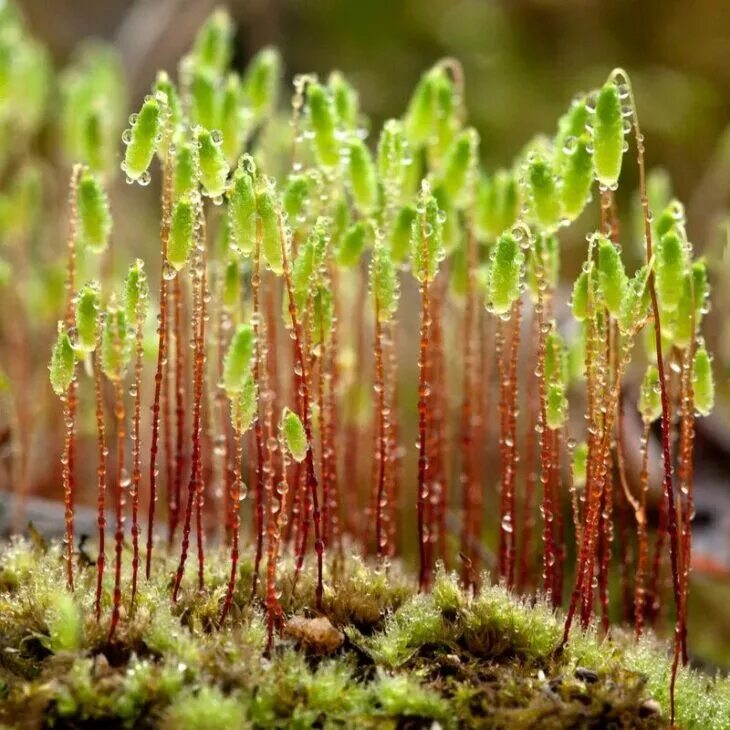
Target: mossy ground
{"x": 404, "y": 660}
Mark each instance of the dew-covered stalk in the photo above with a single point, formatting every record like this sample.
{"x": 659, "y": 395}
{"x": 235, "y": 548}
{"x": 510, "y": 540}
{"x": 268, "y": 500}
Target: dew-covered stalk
{"x": 179, "y": 372}
{"x": 100, "y": 477}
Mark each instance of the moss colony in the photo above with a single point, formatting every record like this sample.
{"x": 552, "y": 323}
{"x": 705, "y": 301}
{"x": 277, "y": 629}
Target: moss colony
{"x": 380, "y": 654}
{"x": 246, "y": 406}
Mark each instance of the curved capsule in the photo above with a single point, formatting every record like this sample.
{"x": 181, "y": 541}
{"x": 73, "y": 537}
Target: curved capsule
{"x": 608, "y": 135}
{"x": 420, "y": 114}
{"x": 577, "y": 178}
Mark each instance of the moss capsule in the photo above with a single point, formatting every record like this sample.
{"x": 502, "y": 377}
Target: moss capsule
{"x": 579, "y": 297}
{"x": 400, "y": 235}
{"x": 296, "y": 194}
{"x": 144, "y": 140}
{"x": 608, "y": 135}
{"x": 232, "y": 285}
{"x": 214, "y": 42}
{"x": 420, "y": 114}
{"x": 505, "y": 272}
{"x": 237, "y": 363}
{"x": 94, "y": 222}
{"x": 271, "y": 233}
{"x": 261, "y": 82}
{"x": 669, "y": 268}
{"x": 635, "y": 302}
{"x": 87, "y": 314}
{"x": 353, "y": 244}
{"x": 580, "y": 461}
{"x": 136, "y": 293}
{"x": 242, "y": 211}
{"x": 650, "y": 403}
{"x": 205, "y": 99}
{"x": 543, "y": 193}
{"x": 322, "y": 119}
{"x": 213, "y": 165}
{"x": 185, "y": 175}
{"x": 295, "y": 437}
{"x": 345, "y": 98}
{"x": 556, "y": 406}
{"x": 577, "y": 175}
{"x": 232, "y": 118}
{"x": 459, "y": 164}
{"x": 429, "y": 224}
{"x": 182, "y": 230}
{"x": 384, "y": 282}
{"x": 362, "y": 178}
{"x": 244, "y": 405}
{"x": 612, "y": 279}
{"x": 63, "y": 361}
{"x": 115, "y": 349}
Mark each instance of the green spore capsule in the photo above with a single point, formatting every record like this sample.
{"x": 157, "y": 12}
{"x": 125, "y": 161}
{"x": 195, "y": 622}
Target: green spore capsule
{"x": 185, "y": 175}
{"x": 115, "y": 350}
{"x": 420, "y": 114}
{"x": 400, "y": 235}
{"x": 608, "y": 136}
{"x": 353, "y": 244}
{"x": 577, "y": 174}
{"x": 612, "y": 279}
{"x": 213, "y": 165}
{"x": 702, "y": 382}
{"x": 362, "y": 178}
{"x": 451, "y": 231}
{"x": 237, "y": 363}
{"x": 556, "y": 358}
{"x": 94, "y": 221}
{"x": 232, "y": 285}
{"x": 650, "y": 401}
{"x": 244, "y": 405}
{"x": 322, "y": 313}
{"x": 231, "y": 118}
{"x": 393, "y": 157}
{"x": 669, "y": 269}
{"x": 384, "y": 282}
{"x": 580, "y": 462}
{"x": 556, "y": 407}
{"x": 322, "y": 119}
{"x": 144, "y": 138}
{"x": 545, "y": 252}
{"x": 670, "y": 220}
{"x": 635, "y": 302}
{"x": 579, "y": 297}
{"x": 271, "y": 232}
{"x": 458, "y": 166}
{"x": 63, "y": 361}
{"x": 505, "y": 271}
{"x": 346, "y": 100}
{"x": 570, "y": 127}
{"x": 303, "y": 270}
{"x": 701, "y": 285}
{"x": 182, "y": 230}
{"x": 428, "y": 225}
{"x": 445, "y": 123}
{"x": 261, "y": 82}
{"x": 213, "y": 43}
{"x": 205, "y": 99}
{"x": 458, "y": 274}
{"x": 497, "y": 205}
{"x": 297, "y": 192}
{"x": 136, "y": 293}
{"x": 295, "y": 438}
{"x": 93, "y": 140}
{"x": 242, "y": 211}
{"x": 87, "y": 317}
{"x": 543, "y": 193}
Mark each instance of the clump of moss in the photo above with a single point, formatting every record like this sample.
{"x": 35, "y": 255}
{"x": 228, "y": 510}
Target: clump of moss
{"x": 409, "y": 660}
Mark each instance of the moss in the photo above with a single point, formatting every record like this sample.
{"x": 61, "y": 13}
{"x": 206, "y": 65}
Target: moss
{"x": 409, "y": 660}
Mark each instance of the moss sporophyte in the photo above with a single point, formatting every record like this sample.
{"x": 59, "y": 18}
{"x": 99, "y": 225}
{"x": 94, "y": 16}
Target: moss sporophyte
{"x": 328, "y": 296}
